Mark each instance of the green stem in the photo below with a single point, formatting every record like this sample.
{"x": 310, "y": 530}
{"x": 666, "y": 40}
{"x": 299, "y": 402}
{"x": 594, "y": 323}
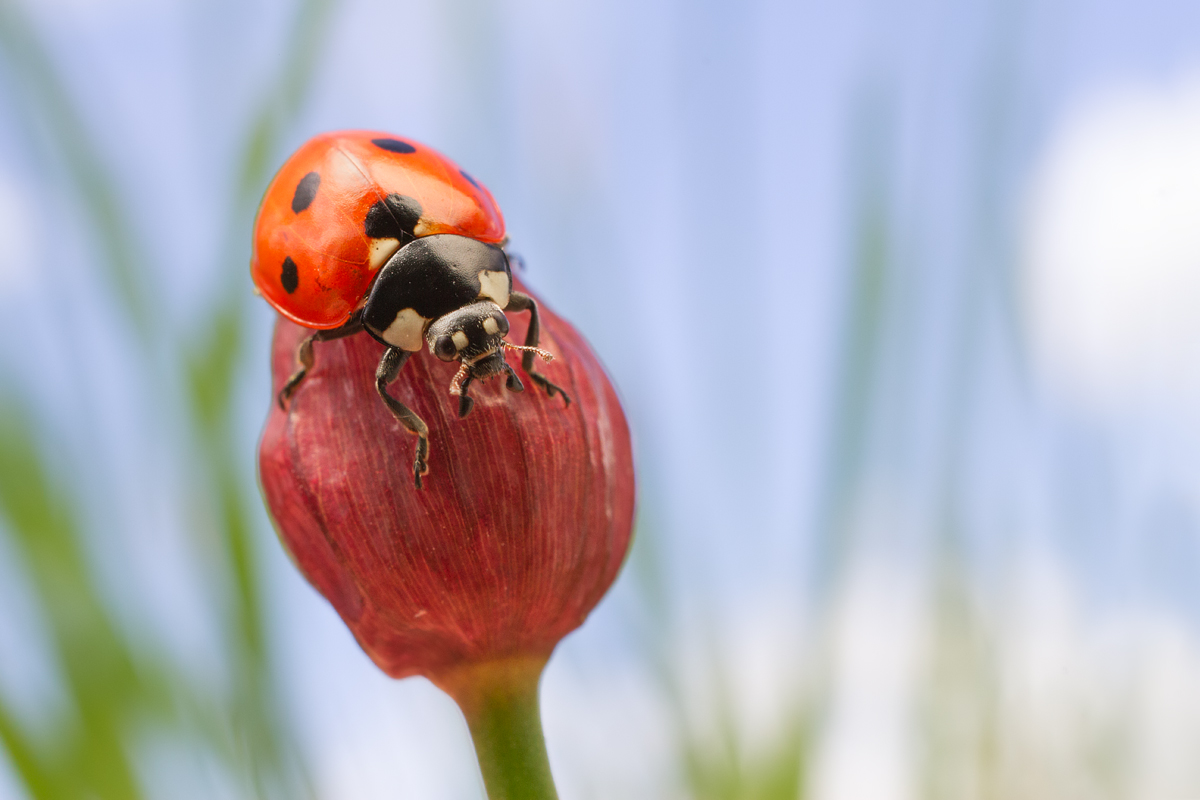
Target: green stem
{"x": 500, "y": 701}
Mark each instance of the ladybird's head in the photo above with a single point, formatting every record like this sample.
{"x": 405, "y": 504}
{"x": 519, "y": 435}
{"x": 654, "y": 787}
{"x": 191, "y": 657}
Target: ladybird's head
{"x": 474, "y": 335}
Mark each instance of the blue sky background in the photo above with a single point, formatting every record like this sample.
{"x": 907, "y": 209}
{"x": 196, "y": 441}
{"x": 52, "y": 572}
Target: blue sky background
{"x": 799, "y": 235}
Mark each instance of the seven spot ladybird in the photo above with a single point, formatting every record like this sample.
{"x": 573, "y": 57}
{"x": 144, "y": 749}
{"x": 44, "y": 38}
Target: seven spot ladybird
{"x": 363, "y": 231}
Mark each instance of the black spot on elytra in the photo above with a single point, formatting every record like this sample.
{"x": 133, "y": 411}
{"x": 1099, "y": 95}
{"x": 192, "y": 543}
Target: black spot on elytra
{"x": 394, "y": 217}
{"x": 306, "y": 190}
{"x": 290, "y": 277}
{"x": 471, "y": 180}
{"x": 394, "y": 145}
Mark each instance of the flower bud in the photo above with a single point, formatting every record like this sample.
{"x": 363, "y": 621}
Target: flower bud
{"x": 522, "y": 524}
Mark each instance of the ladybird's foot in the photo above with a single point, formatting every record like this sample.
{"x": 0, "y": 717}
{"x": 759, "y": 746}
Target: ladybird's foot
{"x": 551, "y": 389}
{"x": 289, "y": 388}
{"x": 420, "y": 468}
{"x": 465, "y": 403}
{"x": 421, "y": 463}
{"x": 513, "y": 383}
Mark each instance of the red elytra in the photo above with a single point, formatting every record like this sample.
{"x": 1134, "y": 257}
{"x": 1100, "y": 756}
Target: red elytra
{"x": 312, "y": 260}
{"x": 522, "y": 526}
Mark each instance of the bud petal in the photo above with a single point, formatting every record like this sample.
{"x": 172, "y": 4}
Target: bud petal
{"x": 522, "y": 524}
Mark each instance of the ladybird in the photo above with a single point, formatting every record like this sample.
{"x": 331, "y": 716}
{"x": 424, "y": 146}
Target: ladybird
{"x": 362, "y": 231}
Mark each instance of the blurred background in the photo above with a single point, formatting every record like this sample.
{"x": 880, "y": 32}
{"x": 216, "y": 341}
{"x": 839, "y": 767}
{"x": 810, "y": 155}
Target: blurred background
{"x": 902, "y": 300}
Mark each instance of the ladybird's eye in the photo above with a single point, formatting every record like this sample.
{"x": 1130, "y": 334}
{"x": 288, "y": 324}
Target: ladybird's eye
{"x": 502, "y": 323}
{"x": 444, "y": 348}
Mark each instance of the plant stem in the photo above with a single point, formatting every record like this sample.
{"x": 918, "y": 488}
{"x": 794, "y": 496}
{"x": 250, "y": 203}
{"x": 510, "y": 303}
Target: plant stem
{"x": 500, "y": 701}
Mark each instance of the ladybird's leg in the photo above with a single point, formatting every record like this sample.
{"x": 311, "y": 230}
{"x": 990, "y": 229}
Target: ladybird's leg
{"x": 390, "y": 365}
{"x": 519, "y": 301}
{"x": 304, "y": 355}
{"x": 513, "y": 382}
{"x": 465, "y": 404}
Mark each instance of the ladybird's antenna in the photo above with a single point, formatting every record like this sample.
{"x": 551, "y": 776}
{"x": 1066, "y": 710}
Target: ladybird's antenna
{"x": 465, "y": 369}
{"x": 546, "y": 355}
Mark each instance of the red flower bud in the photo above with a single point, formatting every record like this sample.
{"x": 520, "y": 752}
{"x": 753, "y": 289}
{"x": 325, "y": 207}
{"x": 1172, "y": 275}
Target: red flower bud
{"x": 522, "y": 524}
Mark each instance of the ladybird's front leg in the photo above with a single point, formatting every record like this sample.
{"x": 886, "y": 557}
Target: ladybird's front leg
{"x": 465, "y": 403}
{"x": 390, "y": 365}
{"x": 513, "y": 382}
{"x": 304, "y": 356}
{"x": 519, "y": 301}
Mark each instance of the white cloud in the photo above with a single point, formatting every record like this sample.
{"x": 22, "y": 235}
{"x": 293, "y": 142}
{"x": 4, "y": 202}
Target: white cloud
{"x": 1112, "y": 250}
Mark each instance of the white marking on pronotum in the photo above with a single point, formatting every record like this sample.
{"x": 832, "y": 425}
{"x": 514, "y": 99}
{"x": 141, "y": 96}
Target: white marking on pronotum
{"x": 495, "y": 285}
{"x": 490, "y": 326}
{"x": 381, "y": 251}
{"x": 406, "y": 331}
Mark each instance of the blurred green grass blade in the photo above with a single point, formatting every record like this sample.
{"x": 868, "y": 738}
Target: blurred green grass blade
{"x": 782, "y": 770}
{"x": 649, "y": 571}
{"x": 240, "y": 542}
{"x": 724, "y": 766}
{"x": 210, "y": 374}
{"x": 729, "y": 768}
{"x": 775, "y": 771}
{"x": 257, "y": 156}
{"x": 285, "y": 99}
{"x": 21, "y": 44}
{"x": 959, "y": 699}
{"x": 861, "y": 344}
{"x": 211, "y": 369}
{"x": 37, "y": 779}
{"x": 269, "y": 752}
{"x": 716, "y": 765}
{"x": 98, "y": 669}
{"x": 263, "y": 746}
{"x": 999, "y": 139}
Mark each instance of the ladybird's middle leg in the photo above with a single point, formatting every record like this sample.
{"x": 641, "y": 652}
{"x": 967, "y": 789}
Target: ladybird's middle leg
{"x": 519, "y": 301}
{"x": 390, "y": 365}
{"x": 304, "y": 355}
